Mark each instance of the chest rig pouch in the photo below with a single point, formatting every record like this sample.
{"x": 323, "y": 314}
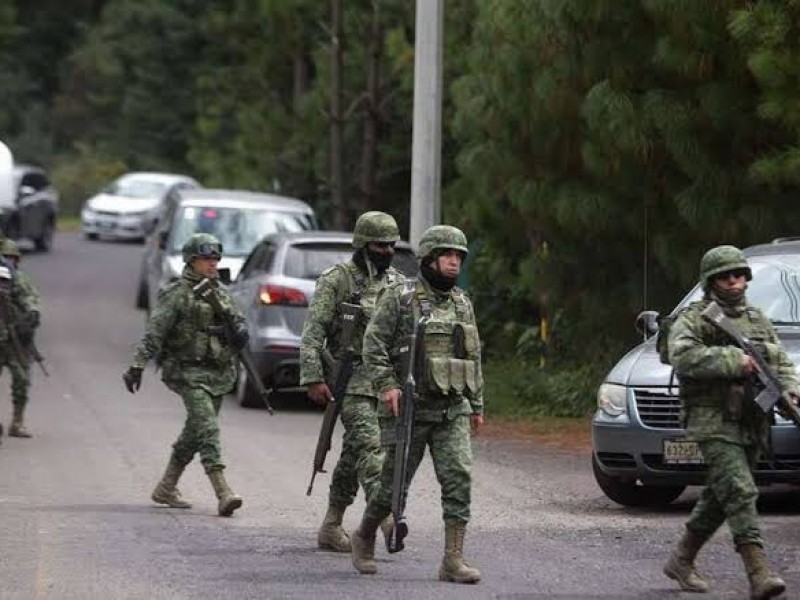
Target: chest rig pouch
{"x": 196, "y": 336}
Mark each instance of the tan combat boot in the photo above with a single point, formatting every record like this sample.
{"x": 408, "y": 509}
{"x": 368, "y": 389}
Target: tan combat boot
{"x": 680, "y": 564}
{"x": 331, "y": 536}
{"x": 454, "y": 568}
{"x": 764, "y": 582}
{"x": 363, "y": 542}
{"x": 166, "y": 491}
{"x": 17, "y": 428}
{"x": 228, "y": 501}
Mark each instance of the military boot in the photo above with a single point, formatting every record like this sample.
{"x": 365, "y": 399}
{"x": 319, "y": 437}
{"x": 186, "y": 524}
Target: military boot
{"x": 454, "y": 568}
{"x": 363, "y": 542}
{"x": 228, "y": 501}
{"x": 387, "y": 527}
{"x": 764, "y": 582}
{"x": 17, "y": 428}
{"x": 166, "y": 491}
{"x": 331, "y": 536}
{"x": 680, "y": 564}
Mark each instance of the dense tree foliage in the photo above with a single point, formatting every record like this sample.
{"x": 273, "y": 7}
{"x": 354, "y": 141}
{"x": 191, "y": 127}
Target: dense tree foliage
{"x": 593, "y": 149}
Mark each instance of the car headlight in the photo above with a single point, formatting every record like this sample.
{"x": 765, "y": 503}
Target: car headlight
{"x": 612, "y": 399}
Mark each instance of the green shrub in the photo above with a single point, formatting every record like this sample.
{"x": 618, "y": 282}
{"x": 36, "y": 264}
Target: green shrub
{"x": 80, "y": 174}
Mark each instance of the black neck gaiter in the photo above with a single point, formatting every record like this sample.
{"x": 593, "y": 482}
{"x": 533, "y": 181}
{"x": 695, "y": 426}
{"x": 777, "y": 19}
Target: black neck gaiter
{"x": 438, "y": 282}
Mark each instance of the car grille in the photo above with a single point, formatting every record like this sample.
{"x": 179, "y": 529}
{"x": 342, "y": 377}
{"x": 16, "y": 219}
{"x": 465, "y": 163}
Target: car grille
{"x": 658, "y": 409}
{"x": 106, "y": 213}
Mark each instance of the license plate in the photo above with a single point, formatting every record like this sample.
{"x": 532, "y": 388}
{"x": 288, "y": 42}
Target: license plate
{"x": 682, "y": 452}
{"x": 107, "y": 225}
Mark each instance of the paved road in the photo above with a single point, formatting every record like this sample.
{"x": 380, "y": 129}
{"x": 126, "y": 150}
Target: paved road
{"x": 76, "y": 521}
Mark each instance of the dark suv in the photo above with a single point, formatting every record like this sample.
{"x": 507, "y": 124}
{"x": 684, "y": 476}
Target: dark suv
{"x": 274, "y": 288}
{"x": 640, "y": 456}
{"x": 33, "y": 215}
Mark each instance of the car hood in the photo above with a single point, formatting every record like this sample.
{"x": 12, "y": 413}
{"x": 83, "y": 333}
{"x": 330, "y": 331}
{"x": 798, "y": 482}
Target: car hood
{"x": 122, "y": 204}
{"x": 233, "y": 263}
{"x": 642, "y": 366}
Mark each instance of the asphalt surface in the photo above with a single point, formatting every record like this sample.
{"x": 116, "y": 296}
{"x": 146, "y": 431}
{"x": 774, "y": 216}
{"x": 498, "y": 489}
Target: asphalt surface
{"x": 76, "y": 520}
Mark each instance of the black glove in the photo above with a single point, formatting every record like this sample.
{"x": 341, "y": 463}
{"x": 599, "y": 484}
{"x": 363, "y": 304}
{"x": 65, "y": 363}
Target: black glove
{"x": 240, "y": 338}
{"x": 32, "y": 319}
{"x": 133, "y": 379}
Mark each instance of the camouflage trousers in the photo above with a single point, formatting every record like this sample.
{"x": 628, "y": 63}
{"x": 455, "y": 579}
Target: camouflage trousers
{"x": 730, "y": 493}
{"x": 20, "y": 377}
{"x": 451, "y": 451}
{"x": 200, "y": 433}
{"x": 362, "y": 456}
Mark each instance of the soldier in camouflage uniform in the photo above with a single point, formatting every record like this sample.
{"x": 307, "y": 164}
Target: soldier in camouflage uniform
{"x": 719, "y": 412}
{"x": 359, "y": 281}
{"x": 23, "y": 311}
{"x": 450, "y": 393}
{"x": 199, "y": 363}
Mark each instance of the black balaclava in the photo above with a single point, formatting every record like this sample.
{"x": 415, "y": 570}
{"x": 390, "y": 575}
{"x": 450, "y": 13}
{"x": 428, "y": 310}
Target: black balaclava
{"x": 379, "y": 261}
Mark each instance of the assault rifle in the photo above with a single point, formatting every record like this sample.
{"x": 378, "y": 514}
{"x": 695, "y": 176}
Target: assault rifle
{"x": 772, "y": 391}
{"x": 351, "y": 313}
{"x": 205, "y": 290}
{"x": 404, "y": 430}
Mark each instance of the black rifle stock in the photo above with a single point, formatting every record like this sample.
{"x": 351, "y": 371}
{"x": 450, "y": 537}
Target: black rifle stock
{"x": 35, "y": 355}
{"x": 404, "y": 430}
{"x": 351, "y": 314}
{"x": 205, "y": 290}
{"x": 772, "y": 392}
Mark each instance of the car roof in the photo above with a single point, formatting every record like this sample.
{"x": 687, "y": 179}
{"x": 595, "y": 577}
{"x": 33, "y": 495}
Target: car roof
{"x": 157, "y": 176}
{"x": 320, "y": 235}
{"x": 241, "y": 199}
{"x": 778, "y": 246}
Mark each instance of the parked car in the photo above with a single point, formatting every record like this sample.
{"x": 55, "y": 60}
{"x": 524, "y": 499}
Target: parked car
{"x": 33, "y": 215}
{"x": 128, "y": 208}
{"x": 640, "y": 455}
{"x": 274, "y": 288}
{"x": 238, "y": 218}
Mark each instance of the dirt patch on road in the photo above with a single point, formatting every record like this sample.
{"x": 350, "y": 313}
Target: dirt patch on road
{"x": 564, "y": 434}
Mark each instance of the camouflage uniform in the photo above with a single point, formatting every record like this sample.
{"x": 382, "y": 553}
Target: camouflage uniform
{"x": 719, "y": 412}
{"x": 199, "y": 365}
{"x": 357, "y": 281}
{"x": 449, "y": 391}
{"x": 23, "y": 311}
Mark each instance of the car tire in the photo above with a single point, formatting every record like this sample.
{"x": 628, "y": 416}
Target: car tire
{"x": 44, "y": 243}
{"x": 142, "y": 295}
{"x": 92, "y": 237}
{"x": 632, "y": 493}
{"x": 246, "y": 394}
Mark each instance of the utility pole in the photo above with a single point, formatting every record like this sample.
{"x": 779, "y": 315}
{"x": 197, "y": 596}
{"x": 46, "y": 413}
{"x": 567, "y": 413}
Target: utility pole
{"x": 426, "y": 147}
{"x": 340, "y": 212}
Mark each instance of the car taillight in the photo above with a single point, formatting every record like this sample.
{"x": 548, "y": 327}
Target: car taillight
{"x": 270, "y": 294}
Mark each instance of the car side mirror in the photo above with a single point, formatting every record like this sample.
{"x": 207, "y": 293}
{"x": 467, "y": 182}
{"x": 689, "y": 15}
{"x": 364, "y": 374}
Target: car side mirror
{"x": 162, "y": 239}
{"x": 26, "y": 190}
{"x": 647, "y": 322}
{"x": 224, "y": 275}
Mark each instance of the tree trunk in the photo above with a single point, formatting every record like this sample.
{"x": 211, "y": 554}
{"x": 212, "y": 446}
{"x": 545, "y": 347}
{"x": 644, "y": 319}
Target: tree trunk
{"x": 372, "y": 113}
{"x": 340, "y": 213}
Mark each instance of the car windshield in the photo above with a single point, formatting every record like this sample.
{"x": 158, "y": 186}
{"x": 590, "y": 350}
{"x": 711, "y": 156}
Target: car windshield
{"x": 775, "y": 287}
{"x": 136, "y": 188}
{"x": 239, "y": 229}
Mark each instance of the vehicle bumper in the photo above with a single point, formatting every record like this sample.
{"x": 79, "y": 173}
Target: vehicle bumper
{"x": 278, "y": 363}
{"x": 116, "y": 228}
{"x": 635, "y": 452}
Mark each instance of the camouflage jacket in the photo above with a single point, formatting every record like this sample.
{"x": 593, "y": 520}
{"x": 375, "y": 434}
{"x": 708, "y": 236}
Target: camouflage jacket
{"x": 322, "y": 328}
{"x": 24, "y": 297}
{"x": 716, "y": 396}
{"x": 178, "y": 337}
{"x": 450, "y": 385}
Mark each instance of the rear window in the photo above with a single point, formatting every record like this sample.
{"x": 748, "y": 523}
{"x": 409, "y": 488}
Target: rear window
{"x": 308, "y": 261}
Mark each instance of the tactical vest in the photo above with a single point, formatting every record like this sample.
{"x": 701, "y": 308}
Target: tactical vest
{"x": 450, "y": 348}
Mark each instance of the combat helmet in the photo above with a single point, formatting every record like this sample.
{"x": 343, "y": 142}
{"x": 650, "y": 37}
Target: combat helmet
{"x": 375, "y": 226}
{"x": 442, "y": 237}
{"x": 202, "y": 245}
{"x": 9, "y": 248}
{"x": 721, "y": 259}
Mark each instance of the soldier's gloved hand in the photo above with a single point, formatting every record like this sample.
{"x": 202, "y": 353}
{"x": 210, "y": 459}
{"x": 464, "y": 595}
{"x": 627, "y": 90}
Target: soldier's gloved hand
{"x": 133, "y": 379}
{"x": 240, "y": 338}
{"x": 32, "y": 319}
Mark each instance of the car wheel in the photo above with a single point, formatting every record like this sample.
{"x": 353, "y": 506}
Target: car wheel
{"x": 44, "y": 242}
{"x": 91, "y": 237}
{"x": 629, "y": 492}
{"x": 246, "y": 395}
{"x": 142, "y": 296}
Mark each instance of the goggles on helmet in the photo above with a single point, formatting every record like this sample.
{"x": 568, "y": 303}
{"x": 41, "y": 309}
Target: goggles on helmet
{"x": 208, "y": 251}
